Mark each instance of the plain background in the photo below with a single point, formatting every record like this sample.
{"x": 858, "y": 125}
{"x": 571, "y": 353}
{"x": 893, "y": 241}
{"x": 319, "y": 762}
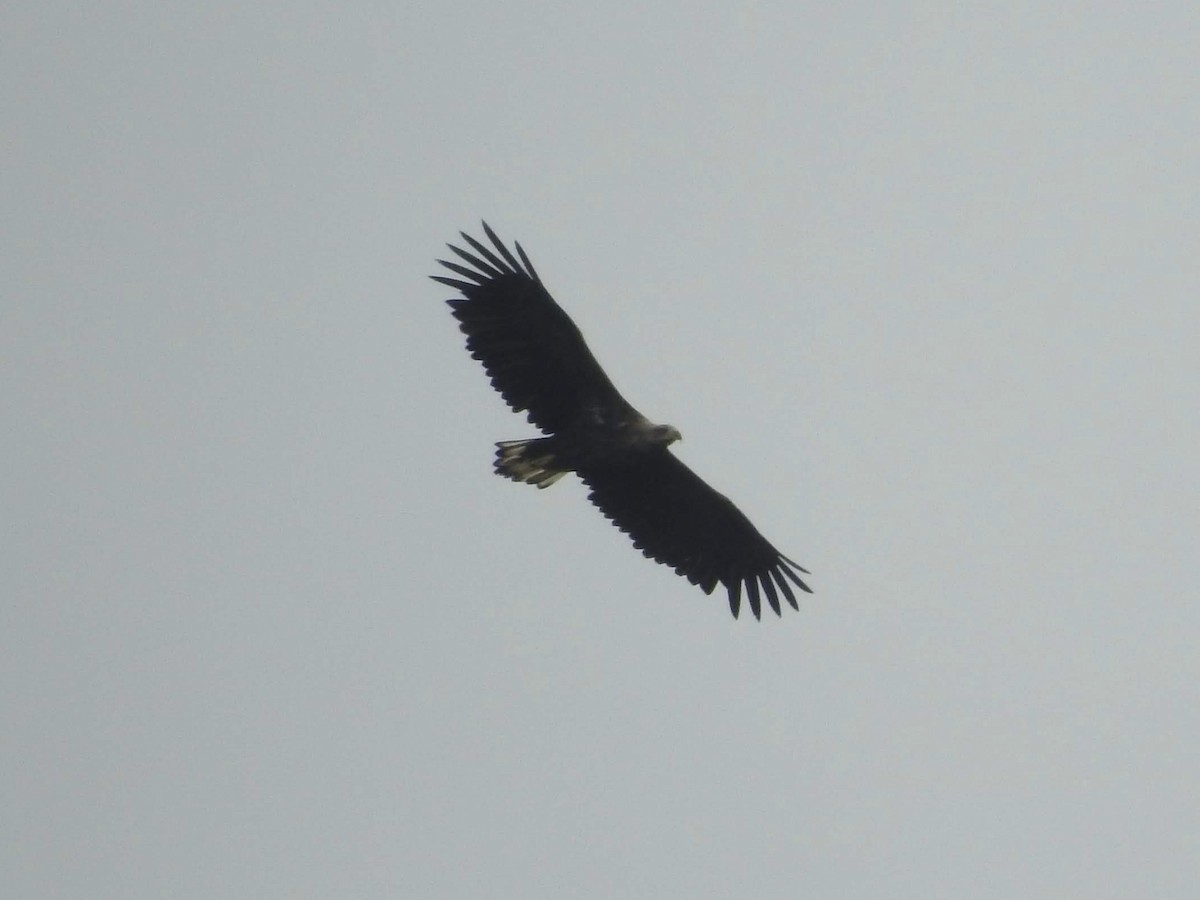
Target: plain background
{"x": 918, "y": 283}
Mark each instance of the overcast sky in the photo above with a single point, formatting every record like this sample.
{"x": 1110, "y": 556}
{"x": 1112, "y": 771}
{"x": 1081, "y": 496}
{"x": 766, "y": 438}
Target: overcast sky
{"x": 917, "y": 282}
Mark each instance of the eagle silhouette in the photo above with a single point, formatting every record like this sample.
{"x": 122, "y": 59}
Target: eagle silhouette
{"x": 538, "y": 361}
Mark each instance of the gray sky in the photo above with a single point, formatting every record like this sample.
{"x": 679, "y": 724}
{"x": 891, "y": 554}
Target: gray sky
{"x": 917, "y": 282}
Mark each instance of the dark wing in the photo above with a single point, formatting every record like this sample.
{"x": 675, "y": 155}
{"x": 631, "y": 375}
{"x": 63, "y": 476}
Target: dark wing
{"x": 674, "y": 517}
{"x": 534, "y": 353}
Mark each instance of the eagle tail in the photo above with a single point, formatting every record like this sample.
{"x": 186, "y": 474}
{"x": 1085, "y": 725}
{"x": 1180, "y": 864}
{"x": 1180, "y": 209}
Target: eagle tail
{"x": 531, "y": 461}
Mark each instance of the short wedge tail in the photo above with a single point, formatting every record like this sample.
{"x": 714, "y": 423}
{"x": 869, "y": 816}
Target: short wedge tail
{"x": 530, "y": 461}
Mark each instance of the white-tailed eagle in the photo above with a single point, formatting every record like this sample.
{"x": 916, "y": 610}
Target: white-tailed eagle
{"x": 538, "y": 361}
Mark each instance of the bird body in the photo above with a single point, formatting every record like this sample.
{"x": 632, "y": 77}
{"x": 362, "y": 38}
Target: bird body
{"x": 539, "y": 362}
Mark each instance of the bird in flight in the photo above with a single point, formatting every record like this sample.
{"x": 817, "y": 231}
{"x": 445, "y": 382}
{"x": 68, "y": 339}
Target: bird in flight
{"x": 537, "y": 359}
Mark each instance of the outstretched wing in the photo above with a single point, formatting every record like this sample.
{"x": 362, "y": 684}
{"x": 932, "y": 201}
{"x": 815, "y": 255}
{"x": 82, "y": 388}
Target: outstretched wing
{"x": 534, "y": 353}
{"x": 675, "y": 518}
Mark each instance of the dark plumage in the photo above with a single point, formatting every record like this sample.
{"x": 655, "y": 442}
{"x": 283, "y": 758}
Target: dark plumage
{"x": 538, "y": 361}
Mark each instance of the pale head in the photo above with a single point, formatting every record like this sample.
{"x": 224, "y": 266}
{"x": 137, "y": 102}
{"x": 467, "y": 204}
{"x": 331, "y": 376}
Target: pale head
{"x": 666, "y": 434}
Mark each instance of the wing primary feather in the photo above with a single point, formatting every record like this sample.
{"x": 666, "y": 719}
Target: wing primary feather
{"x": 528, "y": 265}
{"x": 786, "y": 588}
{"x": 485, "y": 252}
{"x": 792, "y": 562}
{"x": 481, "y": 277}
{"x": 478, "y": 263}
{"x": 752, "y": 596}
{"x": 772, "y": 597}
{"x": 504, "y": 251}
{"x": 454, "y": 283}
{"x": 735, "y": 598}
{"x": 785, "y": 567}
